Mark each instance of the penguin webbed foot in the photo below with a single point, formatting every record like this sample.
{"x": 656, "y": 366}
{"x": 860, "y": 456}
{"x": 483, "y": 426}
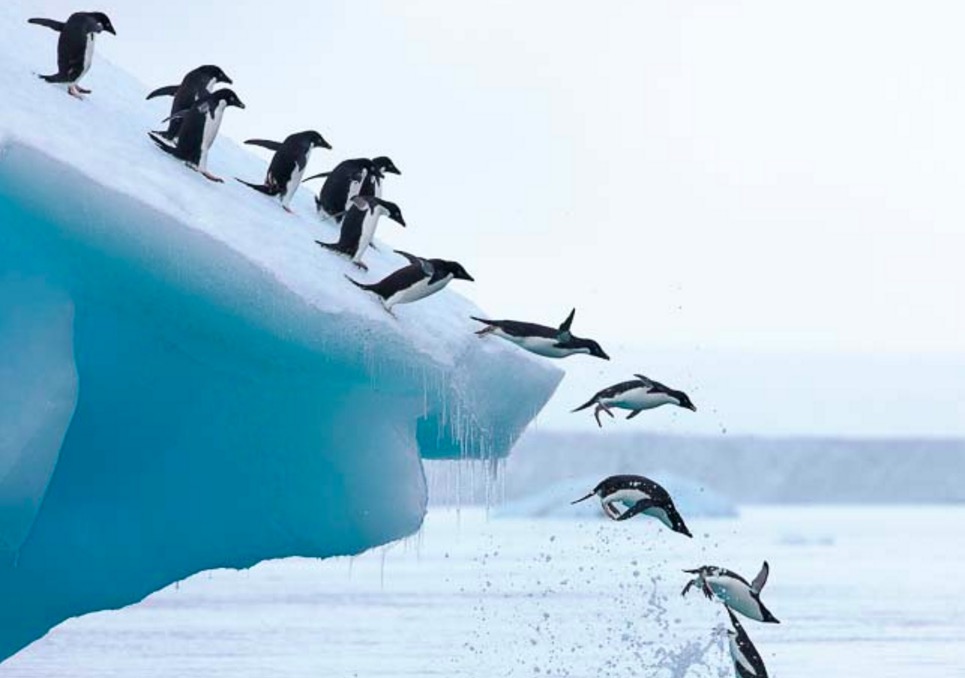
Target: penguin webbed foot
{"x": 82, "y": 90}
{"x": 211, "y": 177}
{"x": 288, "y": 209}
{"x": 365, "y": 268}
{"x": 75, "y": 92}
{"x": 611, "y": 511}
{"x": 600, "y": 407}
{"x": 488, "y": 329}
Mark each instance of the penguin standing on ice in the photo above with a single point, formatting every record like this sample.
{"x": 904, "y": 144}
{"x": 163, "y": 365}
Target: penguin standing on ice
{"x": 733, "y": 590}
{"x": 288, "y": 164}
{"x": 358, "y": 226}
{"x": 75, "y": 47}
{"x": 637, "y": 395}
{"x": 196, "y": 84}
{"x": 747, "y": 660}
{"x": 358, "y": 176}
{"x": 541, "y": 340}
{"x": 641, "y": 495}
{"x": 200, "y": 125}
{"x": 420, "y": 279}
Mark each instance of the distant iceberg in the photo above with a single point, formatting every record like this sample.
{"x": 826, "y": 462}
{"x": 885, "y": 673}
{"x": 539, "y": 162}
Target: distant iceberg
{"x": 692, "y": 500}
{"x": 186, "y": 381}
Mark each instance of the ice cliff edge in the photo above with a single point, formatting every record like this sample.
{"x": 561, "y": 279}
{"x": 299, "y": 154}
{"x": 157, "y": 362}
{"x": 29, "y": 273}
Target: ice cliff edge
{"x": 186, "y": 381}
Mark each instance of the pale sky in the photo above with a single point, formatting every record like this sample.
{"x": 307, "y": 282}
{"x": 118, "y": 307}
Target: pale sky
{"x": 756, "y": 176}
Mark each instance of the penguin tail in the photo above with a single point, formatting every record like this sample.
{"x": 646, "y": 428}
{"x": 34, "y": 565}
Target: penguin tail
{"x": 361, "y": 286}
{"x": 261, "y": 188}
{"x": 333, "y": 246}
{"x": 54, "y": 79}
{"x": 168, "y": 91}
{"x": 589, "y": 403}
{"x": 582, "y": 499}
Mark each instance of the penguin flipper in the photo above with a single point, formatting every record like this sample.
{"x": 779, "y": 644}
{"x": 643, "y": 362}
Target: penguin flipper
{"x": 633, "y": 414}
{"x": 261, "y": 188}
{"x": 761, "y": 579}
{"x": 52, "y": 24}
{"x": 413, "y": 259}
{"x": 164, "y": 145}
{"x": 636, "y": 509}
{"x": 168, "y": 91}
{"x": 316, "y": 176}
{"x": 265, "y": 143}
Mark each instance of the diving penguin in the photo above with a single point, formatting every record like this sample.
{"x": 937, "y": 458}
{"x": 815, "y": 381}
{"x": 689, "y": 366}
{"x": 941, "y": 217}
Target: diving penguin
{"x": 196, "y": 84}
{"x": 358, "y": 226}
{"x": 733, "y": 590}
{"x": 640, "y": 495}
{"x": 637, "y": 395}
{"x": 747, "y": 660}
{"x": 541, "y": 340}
{"x": 198, "y": 130}
{"x": 288, "y": 164}
{"x": 420, "y": 279}
{"x": 358, "y": 176}
{"x": 75, "y": 47}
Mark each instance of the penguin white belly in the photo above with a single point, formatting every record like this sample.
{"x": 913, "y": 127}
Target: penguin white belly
{"x": 211, "y": 127}
{"x": 377, "y": 189}
{"x": 738, "y": 656}
{"x": 420, "y": 290}
{"x": 293, "y": 183}
{"x": 354, "y": 188}
{"x": 369, "y": 223}
{"x": 544, "y": 346}
{"x": 628, "y": 496}
{"x": 88, "y": 55}
{"x": 736, "y": 595}
{"x": 639, "y": 399}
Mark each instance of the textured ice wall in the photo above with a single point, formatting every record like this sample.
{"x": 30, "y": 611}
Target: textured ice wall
{"x": 186, "y": 381}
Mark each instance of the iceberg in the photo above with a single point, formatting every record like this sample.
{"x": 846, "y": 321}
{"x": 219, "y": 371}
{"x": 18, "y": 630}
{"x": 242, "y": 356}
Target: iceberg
{"x": 186, "y": 381}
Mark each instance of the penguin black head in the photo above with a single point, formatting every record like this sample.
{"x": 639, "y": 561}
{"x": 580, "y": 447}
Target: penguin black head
{"x": 315, "y": 139}
{"x": 395, "y": 214}
{"x": 384, "y": 164}
{"x": 453, "y": 268}
{"x": 683, "y": 400}
{"x": 228, "y": 96}
{"x": 676, "y": 520}
{"x": 215, "y": 73}
{"x": 594, "y": 348}
{"x": 104, "y": 22}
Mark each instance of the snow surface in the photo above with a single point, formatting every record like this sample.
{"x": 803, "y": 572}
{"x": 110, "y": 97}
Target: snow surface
{"x": 187, "y": 381}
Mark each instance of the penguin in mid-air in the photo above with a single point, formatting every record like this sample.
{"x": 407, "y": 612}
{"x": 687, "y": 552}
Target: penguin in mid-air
{"x": 288, "y": 164}
{"x": 75, "y": 47}
{"x": 747, "y": 660}
{"x": 358, "y": 176}
{"x": 358, "y": 226}
{"x": 545, "y": 341}
{"x": 420, "y": 279}
{"x": 733, "y": 590}
{"x": 637, "y": 395}
{"x": 200, "y": 124}
{"x": 196, "y": 84}
{"x": 639, "y": 495}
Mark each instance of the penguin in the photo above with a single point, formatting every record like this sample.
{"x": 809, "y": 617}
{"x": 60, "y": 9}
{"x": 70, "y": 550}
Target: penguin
{"x": 75, "y": 47}
{"x": 637, "y": 395}
{"x": 420, "y": 279}
{"x": 196, "y": 84}
{"x": 640, "y": 495}
{"x": 288, "y": 164}
{"x": 358, "y": 226}
{"x": 358, "y": 176}
{"x": 747, "y": 660}
{"x": 541, "y": 340}
{"x": 199, "y": 129}
{"x": 733, "y": 590}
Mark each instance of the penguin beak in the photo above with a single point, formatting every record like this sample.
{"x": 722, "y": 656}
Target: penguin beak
{"x": 393, "y": 170}
{"x": 226, "y": 80}
{"x": 325, "y": 144}
{"x": 692, "y": 407}
{"x": 400, "y": 220}
{"x": 602, "y": 354}
{"x": 466, "y": 276}
{"x": 110, "y": 29}
{"x": 240, "y": 104}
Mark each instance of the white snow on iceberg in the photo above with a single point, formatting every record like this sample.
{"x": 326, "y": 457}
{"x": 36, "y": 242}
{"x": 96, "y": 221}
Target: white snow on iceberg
{"x": 186, "y": 380}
